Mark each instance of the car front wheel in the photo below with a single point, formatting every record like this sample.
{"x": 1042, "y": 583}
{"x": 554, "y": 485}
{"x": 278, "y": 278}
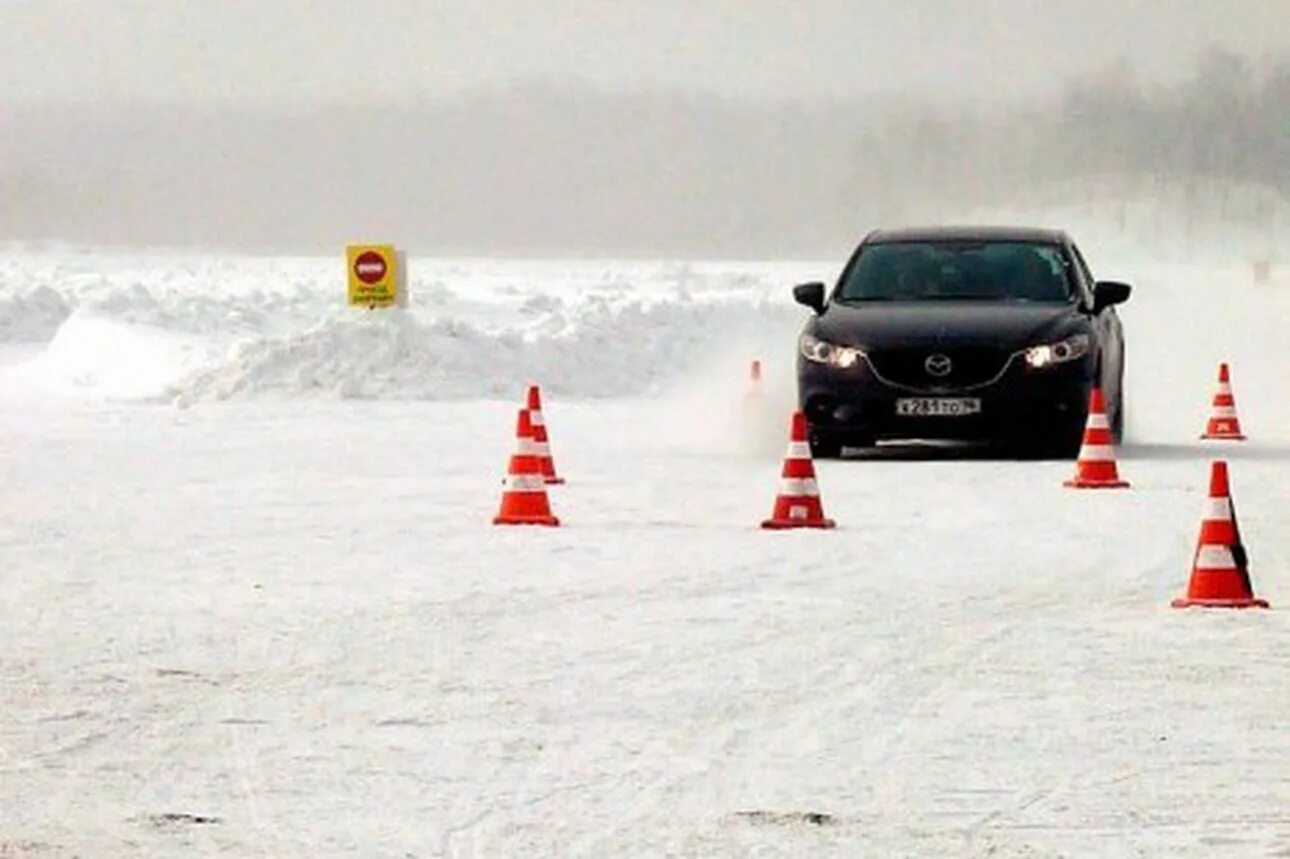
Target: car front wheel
{"x": 1117, "y": 422}
{"x": 825, "y": 447}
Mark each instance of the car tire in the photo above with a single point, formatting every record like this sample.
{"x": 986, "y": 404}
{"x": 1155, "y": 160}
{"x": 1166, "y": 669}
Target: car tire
{"x": 860, "y": 442}
{"x": 1117, "y": 422}
{"x": 825, "y": 447}
{"x": 1067, "y": 441}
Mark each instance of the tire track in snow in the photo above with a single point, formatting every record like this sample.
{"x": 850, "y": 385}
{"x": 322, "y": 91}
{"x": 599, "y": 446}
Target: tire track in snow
{"x": 882, "y": 697}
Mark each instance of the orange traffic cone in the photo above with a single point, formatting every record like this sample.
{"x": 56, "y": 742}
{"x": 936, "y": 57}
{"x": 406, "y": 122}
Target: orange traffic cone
{"x": 543, "y": 444}
{"x": 1223, "y": 422}
{"x": 752, "y": 398}
{"x": 1095, "y": 468}
{"x": 524, "y": 502}
{"x": 1220, "y": 576}
{"x": 798, "y": 503}
{"x": 754, "y": 379}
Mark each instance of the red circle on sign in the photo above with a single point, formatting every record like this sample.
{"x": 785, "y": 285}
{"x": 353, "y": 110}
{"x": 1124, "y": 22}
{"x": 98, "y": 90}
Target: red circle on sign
{"x": 369, "y": 267}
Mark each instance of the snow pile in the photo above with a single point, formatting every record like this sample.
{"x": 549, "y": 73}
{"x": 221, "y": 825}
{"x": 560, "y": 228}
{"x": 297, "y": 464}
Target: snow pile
{"x": 184, "y": 313}
{"x": 110, "y": 358}
{"x": 196, "y": 328}
{"x": 32, "y": 316}
{"x": 603, "y": 351}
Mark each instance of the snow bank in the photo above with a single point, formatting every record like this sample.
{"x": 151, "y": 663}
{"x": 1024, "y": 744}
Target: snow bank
{"x": 32, "y": 316}
{"x": 202, "y": 329}
{"x": 115, "y": 359}
{"x": 604, "y": 352}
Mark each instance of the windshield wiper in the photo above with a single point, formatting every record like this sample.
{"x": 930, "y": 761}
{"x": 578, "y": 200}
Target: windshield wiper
{"x": 965, "y": 297}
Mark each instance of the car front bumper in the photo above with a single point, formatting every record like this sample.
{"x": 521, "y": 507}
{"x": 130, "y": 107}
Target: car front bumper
{"x": 857, "y": 405}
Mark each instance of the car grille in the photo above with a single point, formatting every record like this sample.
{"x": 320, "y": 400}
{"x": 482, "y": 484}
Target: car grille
{"x": 968, "y": 366}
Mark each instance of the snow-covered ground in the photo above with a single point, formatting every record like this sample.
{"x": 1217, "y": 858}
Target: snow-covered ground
{"x": 251, "y": 603}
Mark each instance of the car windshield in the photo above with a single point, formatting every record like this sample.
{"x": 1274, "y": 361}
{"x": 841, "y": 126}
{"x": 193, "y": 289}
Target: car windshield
{"x": 958, "y": 271}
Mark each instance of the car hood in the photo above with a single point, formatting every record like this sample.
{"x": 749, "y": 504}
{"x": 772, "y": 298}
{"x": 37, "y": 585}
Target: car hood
{"x": 883, "y": 324}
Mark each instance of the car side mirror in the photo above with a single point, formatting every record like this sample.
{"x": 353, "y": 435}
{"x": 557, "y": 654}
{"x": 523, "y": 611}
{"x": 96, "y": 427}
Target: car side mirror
{"x": 811, "y": 295}
{"x": 1109, "y": 292}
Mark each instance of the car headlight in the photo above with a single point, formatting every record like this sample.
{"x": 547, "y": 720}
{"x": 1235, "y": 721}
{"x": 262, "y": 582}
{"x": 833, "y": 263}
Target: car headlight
{"x": 1070, "y": 349}
{"x": 823, "y": 352}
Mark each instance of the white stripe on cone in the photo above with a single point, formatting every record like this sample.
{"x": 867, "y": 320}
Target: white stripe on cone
{"x": 525, "y": 483}
{"x": 1224, "y": 388}
{"x": 1098, "y": 421}
{"x": 1218, "y": 510}
{"x": 1211, "y": 557}
{"x": 1096, "y": 453}
{"x": 798, "y": 450}
{"x": 1223, "y": 412}
{"x": 799, "y": 487}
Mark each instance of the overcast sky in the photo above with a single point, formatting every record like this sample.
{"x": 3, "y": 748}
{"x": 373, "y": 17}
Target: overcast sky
{"x": 310, "y": 50}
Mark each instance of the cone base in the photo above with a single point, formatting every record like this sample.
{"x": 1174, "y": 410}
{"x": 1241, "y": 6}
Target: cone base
{"x": 1078, "y": 483}
{"x": 1241, "y": 602}
{"x": 547, "y": 521}
{"x": 787, "y": 524}
{"x": 1208, "y": 437}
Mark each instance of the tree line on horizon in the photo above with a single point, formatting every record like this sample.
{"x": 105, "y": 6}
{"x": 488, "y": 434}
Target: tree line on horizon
{"x": 567, "y": 171}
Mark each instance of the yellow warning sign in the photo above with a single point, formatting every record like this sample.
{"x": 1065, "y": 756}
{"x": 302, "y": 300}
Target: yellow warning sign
{"x": 373, "y": 275}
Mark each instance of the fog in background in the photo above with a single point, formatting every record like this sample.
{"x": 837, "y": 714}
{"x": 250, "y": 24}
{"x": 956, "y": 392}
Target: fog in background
{"x": 702, "y": 128}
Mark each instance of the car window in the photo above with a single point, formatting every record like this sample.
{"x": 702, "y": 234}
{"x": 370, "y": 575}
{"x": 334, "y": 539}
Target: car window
{"x": 1085, "y": 271}
{"x": 958, "y": 270}
{"x": 1083, "y": 266}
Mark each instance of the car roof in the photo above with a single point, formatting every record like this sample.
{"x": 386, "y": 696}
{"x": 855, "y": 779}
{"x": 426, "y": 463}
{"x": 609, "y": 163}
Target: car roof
{"x": 968, "y": 233}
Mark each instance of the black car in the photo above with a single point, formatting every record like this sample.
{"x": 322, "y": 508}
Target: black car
{"x": 993, "y": 334}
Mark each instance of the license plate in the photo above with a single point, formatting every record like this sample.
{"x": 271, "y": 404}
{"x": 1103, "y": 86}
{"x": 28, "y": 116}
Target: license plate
{"x": 938, "y": 407}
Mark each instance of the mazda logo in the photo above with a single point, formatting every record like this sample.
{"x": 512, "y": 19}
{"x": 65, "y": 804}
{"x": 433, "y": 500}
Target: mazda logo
{"x": 938, "y": 365}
